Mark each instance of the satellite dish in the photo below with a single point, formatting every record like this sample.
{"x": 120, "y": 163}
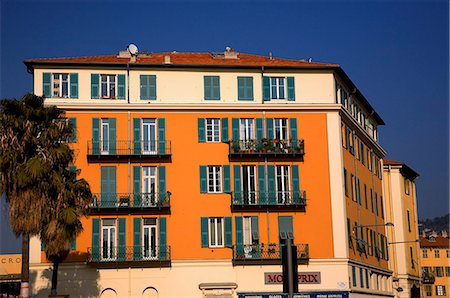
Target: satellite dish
{"x": 132, "y": 48}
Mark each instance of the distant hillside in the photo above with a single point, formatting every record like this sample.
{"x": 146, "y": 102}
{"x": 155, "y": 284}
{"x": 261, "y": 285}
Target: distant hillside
{"x": 436, "y": 224}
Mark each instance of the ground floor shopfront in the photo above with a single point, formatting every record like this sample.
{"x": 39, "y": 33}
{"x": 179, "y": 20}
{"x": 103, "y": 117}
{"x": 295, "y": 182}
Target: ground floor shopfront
{"x": 320, "y": 278}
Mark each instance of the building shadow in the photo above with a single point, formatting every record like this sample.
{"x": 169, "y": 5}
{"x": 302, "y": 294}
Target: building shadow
{"x": 75, "y": 279}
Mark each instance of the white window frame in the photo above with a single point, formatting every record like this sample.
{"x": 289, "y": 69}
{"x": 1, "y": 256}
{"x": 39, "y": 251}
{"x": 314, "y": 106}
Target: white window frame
{"x": 104, "y": 135}
{"x": 111, "y": 230}
{"x": 214, "y": 178}
{"x": 278, "y": 88}
{"x": 212, "y": 130}
{"x": 149, "y": 124}
{"x": 249, "y": 179}
{"x": 216, "y": 232}
{"x": 440, "y": 290}
{"x": 150, "y": 254}
{"x": 247, "y": 129}
{"x": 59, "y": 88}
{"x": 149, "y": 176}
{"x": 283, "y": 186}
{"x": 108, "y": 85}
{"x": 280, "y": 129}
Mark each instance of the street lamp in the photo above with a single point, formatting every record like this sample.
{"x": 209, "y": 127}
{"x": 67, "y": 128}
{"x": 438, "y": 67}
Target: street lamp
{"x": 388, "y": 224}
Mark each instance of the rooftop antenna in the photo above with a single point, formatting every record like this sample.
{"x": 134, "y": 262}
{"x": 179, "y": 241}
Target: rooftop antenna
{"x": 309, "y": 59}
{"x": 133, "y": 49}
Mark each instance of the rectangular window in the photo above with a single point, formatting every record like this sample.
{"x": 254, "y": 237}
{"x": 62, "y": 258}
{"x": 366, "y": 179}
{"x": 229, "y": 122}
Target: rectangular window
{"x": 408, "y": 217}
{"x": 437, "y": 253}
{"x": 212, "y": 87}
{"x": 277, "y": 88}
{"x": 447, "y": 271}
{"x": 428, "y": 290}
{"x": 149, "y": 184}
{"x": 148, "y": 136}
{"x": 354, "y": 276}
{"x": 361, "y": 277}
{"x": 440, "y": 291}
{"x": 345, "y": 182}
{"x": 246, "y": 129}
{"x": 214, "y": 174}
{"x": 249, "y": 184}
{"x": 424, "y": 253}
{"x": 411, "y": 257}
{"x": 365, "y": 196}
{"x": 367, "y": 279}
{"x": 213, "y": 130}
{"x": 216, "y": 232}
{"x": 104, "y": 135}
{"x": 376, "y": 204}
{"x": 60, "y": 85}
{"x": 149, "y": 239}
{"x": 280, "y": 127}
{"x": 353, "y": 187}
{"x": 439, "y": 271}
{"x": 282, "y": 184}
{"x": 249, "y": 232}
{"x": 108, "y": 86}
{"x": 407, "y": 186}
{"x": 371, "y": 200}
{"x": 109, "y": 249}
{"x": 245, "y": 88}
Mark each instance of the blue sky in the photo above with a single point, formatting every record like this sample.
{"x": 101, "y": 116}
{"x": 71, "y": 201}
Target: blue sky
{"x": 396, "y": 52}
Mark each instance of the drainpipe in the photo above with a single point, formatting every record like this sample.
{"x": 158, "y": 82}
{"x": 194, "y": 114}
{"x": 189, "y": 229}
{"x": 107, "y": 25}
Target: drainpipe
{"x": 128, "y": 82}
{"x": 262, "y": 85}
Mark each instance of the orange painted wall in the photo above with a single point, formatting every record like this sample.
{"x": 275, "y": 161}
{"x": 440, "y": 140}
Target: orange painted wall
{"x": 182, "y": 179}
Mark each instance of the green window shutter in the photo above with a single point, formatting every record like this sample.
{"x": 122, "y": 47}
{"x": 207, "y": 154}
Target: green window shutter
{"x": 271, "y": 184}
{"x": 204, "y": 231}
{"x": 203, "y": 183}
{"x": 112, "y": 135}
{"x": 122, "y": 251}
{"x": 211, "y": 87}
{"x": 161, "y": 136}
{"x": 136, "y": 186}
{"x": 285, "y": 224}
{"x": 95, "y": 239}
{"x": 255, "y": 228}
{"x": 237, "y": 185}
{"x": 152, "y": 87}
{"x": 239, "y": 237}
{"x": 108, "y": 186}
{"x": 121, "y": 86}
{"x": 358, "y": 192}
{"x": 162, "y": 238}
{"x": 95, "y": 135}
{"x": 291, "y": 88}
{"x": 245, "y": 88}
{"x": 161, "y": 183}
{"x": 73, "y": 121}
{"x": 269, "y": 128}
{"x": 295, "y": 184}
{"x": 73, "y": 244}
{"x": 95, "y": 85}
{"x": 137, "y": 239}
{"x": 47, "y": 84}
{"x": 73, "y": 85}
{"x": 144, "y": 83}
{"x": 225, "y": 130}
{"x": 226, "y": 178}
{"x": 262, "y": 185}
{"x": 293, "y": 132}
{"x": 235, "y": 129}
{"x": 201, "y": 130}
{"x": 259, "y": 129}
{"x": 137, "y": 136}
{"x": 266, "y": 88}
{"x": 228, "y": 232}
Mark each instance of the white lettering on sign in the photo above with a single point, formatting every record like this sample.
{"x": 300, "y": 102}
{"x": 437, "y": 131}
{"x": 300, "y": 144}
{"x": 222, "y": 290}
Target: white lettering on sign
{"x": 303, "y": 278}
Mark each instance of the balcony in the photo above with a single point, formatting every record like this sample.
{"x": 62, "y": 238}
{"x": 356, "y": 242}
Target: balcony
{"x": 104, "y": 202}
{"x": 129, "y": 256}
{"x": 111, "y": 151}
{"x": 428, "y": 278}
{"x": 265, "y": 254}
{"x": 257, "y": 201}
{"x": 266, "y": 148}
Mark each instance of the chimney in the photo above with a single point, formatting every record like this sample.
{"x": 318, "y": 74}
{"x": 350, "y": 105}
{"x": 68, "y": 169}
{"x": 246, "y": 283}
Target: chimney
{"x": 230, "y": 53}
{"x": 167, "y": 59}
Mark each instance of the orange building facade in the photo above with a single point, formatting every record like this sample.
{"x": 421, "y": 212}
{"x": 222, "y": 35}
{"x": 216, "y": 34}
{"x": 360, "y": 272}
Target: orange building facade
{"x": 203, "y": 165}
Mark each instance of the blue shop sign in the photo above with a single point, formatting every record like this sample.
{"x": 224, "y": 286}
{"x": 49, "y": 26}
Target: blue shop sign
{"x": 297, "y": 295}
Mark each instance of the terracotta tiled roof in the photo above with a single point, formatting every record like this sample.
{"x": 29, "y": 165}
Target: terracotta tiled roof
{"x": 439, "y": 242}
{"x": 392, "y": 162}
{"x": 186, "y": 59}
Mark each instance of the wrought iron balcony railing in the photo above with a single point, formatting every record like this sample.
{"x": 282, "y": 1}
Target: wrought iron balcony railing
{"x": 125, "y": 200}
{"x": 265, "y": 147}
{"x": 270, "y": 198}
{"x": 428, "y": 278}
{"x": 261, "y": 252}
{"x": 129, "y": 148}
{"x": 116, "y": 254}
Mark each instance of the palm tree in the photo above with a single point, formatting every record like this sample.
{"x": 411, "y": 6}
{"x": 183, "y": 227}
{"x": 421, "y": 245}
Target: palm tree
{"x": 63, "y": 224}
{"x": 33, "y": 151}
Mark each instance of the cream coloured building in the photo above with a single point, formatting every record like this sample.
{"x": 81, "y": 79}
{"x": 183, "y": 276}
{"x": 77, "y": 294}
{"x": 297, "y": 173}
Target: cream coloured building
{"x": 401, "y": 210}
{"x": 203, "y": 164}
